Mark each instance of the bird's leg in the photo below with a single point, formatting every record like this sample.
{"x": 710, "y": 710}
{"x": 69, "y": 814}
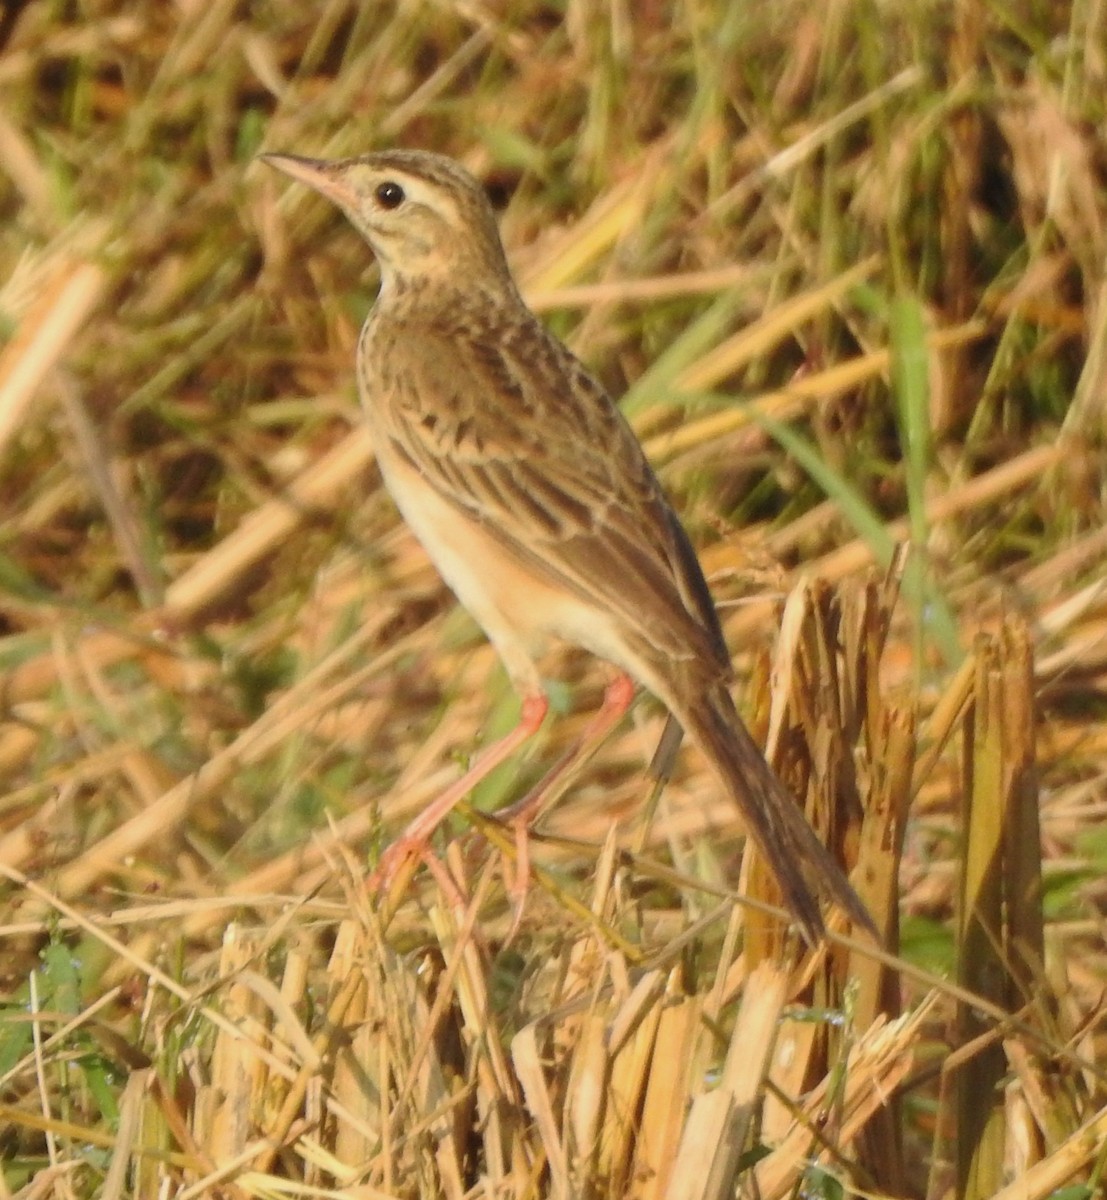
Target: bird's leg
{"x": 414, "y": 838}
{"x": 617, "y": 699}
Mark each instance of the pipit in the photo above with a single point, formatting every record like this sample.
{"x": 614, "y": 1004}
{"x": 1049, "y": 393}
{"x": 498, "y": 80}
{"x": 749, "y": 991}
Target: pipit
{"x": 534, "y": 499}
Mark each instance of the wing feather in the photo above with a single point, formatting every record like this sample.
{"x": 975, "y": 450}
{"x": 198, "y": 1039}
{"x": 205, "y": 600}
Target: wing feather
{"x": 555, "y": 474}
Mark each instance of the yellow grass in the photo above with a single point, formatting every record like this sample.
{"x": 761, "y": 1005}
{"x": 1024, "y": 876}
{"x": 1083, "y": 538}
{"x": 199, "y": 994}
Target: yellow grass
{"x": 846, "y": 267}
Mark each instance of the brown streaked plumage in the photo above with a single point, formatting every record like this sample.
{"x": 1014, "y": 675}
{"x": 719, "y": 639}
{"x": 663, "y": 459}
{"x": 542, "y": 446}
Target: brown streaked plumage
{"x": 532, "y": 495}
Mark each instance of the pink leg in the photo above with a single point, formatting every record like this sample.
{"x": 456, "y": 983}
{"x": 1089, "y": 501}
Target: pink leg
{"x": 616, "y": 700}
{"x": 414, "y": 838}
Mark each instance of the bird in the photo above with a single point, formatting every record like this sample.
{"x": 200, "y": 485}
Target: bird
{"x": 533, "y": 497}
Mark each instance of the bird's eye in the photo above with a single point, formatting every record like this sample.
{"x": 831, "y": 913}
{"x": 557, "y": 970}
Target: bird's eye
{"x": 390, "y": 195}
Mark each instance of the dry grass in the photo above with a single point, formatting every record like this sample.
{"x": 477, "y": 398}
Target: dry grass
{"x": 846, "y": 268}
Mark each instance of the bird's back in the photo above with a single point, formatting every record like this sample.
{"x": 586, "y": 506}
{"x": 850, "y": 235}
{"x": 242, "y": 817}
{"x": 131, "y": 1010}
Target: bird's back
{"x": 508, "y": 427}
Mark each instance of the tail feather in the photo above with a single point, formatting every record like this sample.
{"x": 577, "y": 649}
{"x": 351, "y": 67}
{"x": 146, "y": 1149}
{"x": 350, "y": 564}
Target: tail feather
{"x": 772, "y": 818}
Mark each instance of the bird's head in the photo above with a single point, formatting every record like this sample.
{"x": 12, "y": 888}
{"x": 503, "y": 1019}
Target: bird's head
{"x": 423, "y": 214}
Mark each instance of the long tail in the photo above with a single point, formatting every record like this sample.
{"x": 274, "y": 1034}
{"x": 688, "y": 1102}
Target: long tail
{"x": 801, "y": 863}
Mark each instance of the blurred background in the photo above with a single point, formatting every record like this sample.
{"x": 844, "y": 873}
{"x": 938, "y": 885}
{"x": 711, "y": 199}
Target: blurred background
{"x": 844, "y": 266}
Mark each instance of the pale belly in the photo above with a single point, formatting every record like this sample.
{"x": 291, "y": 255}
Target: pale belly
{"x": 519, "y": 610}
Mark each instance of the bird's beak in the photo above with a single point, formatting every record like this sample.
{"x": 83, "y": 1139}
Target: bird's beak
{"x": 316, "y": 173}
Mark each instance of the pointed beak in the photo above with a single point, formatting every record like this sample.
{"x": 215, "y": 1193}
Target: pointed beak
{"x": 316, "y": 173}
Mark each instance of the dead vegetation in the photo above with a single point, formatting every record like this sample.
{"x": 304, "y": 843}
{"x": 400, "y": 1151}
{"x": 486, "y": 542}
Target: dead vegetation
{"x": 847, "y": 270}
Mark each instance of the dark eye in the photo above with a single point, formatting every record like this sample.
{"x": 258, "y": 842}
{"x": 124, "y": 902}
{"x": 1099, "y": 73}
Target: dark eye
{"x": 390, "y": 195}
